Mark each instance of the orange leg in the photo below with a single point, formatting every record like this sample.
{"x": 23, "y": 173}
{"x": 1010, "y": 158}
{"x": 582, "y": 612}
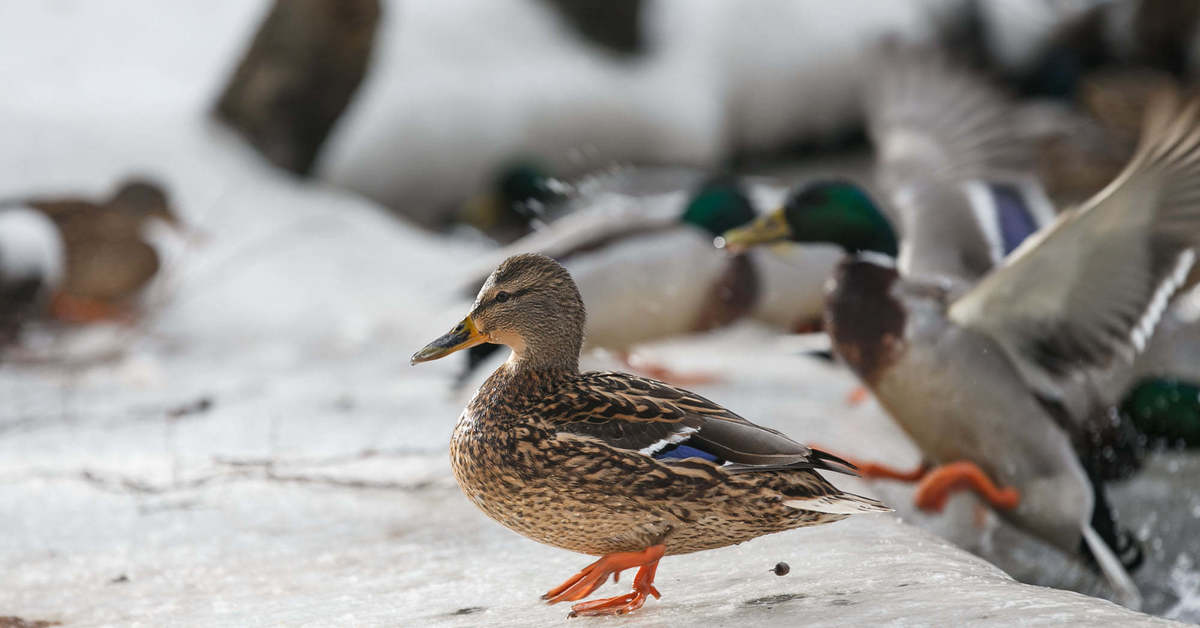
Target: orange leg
{"x": 81, "y": 310}
{"x": 662, "y": 373}
{"x": 857, "y": 396}
{"x": 874, "y": 471}
{"x": 583, "y": 583}
{"x": 935, "y": 489}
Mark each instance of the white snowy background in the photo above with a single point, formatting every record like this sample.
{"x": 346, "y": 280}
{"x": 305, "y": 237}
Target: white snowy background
{"x": 258, "y": 451}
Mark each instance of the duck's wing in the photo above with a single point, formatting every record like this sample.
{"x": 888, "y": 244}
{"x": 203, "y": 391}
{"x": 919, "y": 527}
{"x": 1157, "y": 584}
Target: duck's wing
{"x": 936, "y": 127}
{"x": 662, "y": 421}
{"x": 931, "y": 118}
{"x": 613, "y": 218}
{"x": 1090, "y": 289}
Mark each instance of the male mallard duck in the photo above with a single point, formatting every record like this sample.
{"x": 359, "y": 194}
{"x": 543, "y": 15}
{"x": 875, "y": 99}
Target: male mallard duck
{"x": 988, "y": 382}
{"x": 522, "y": 196}
{"x": 106, "y": 260}
{"x": 610, "y": 464}
{"x": 648, "y": 268}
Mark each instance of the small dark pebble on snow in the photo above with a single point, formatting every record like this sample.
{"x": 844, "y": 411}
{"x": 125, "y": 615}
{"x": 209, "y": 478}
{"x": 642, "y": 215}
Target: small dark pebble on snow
{"x": 121, "y": 579}
{"x": 781, "y": 569}
{"x": 199, "y": 406}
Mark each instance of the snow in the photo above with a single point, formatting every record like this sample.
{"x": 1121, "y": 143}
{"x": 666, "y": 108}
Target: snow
{"x": 30, "y": 246}
{"x": 257, "y": 451}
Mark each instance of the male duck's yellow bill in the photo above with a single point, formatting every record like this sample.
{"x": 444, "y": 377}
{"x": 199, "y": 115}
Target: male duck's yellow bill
{"x": 765, "y": 229}
{"x": 463, "y": 335}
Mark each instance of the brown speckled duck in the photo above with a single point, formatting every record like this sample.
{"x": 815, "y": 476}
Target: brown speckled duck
{"x": 609, "y": 464}
{"x": 107, "y": 260}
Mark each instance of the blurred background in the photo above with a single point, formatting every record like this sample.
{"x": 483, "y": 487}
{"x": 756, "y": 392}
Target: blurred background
{"x": 225, "y": 225}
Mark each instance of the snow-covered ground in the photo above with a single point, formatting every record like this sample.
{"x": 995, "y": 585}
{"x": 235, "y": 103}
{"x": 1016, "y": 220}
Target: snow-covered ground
{"x": 259, "y": 452}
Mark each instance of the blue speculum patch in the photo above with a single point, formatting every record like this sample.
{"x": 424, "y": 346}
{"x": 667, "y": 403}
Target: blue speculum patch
{"x": 679, "y": 452}
{"x": 1012, "y": 210}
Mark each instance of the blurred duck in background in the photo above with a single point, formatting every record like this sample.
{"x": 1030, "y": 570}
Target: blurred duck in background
{"x": 995, "y": 383}
{"x": 649, "y": 271}
{"x": 523, "y": 197}
{"x": 77, "y": 260}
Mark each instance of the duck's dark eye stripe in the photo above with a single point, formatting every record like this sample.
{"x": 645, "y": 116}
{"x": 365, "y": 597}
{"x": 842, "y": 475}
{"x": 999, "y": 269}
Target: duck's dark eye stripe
{"x": 507, "y": 296}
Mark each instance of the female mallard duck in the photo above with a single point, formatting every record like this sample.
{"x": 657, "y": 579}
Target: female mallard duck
{"x": 993, "y": 383}
{"x": 610, "y": 464}
{"x": 107, "y": 260}
{"x": 650, "y": 272}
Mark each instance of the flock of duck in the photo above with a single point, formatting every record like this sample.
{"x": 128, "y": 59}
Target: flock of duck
{"x": 991, "y": 325}
{"x": 997, "y": 329}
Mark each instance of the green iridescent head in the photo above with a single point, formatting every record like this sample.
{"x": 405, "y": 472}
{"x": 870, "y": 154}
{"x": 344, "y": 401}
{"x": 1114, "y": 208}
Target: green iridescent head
{"x": 720, "y": 204}
{"x": 1165, "y": 410}
{"x": 830, "y": 211}
{"x": 519, "y": 193}
{"x": 525, "y": 188}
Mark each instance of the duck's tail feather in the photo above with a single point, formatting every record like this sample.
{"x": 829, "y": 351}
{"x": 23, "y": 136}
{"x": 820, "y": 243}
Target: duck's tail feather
{"x": 837, "y": 504}
{"x": 825, "y": 461}
{"x": 1119, "y": 579}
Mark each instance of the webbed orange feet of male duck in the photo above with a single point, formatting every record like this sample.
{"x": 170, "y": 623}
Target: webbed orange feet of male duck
{"x": 937, "y": 486}
{"x": 591, "y": 577}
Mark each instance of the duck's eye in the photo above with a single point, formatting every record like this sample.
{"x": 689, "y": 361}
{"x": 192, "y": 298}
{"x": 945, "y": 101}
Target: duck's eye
{"x": 501, "y": 297}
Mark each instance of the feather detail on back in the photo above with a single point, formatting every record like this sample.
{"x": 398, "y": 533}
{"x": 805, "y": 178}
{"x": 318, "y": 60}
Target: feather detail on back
{"x": 1091, "y": 288}
{"x": 652, "y": 418}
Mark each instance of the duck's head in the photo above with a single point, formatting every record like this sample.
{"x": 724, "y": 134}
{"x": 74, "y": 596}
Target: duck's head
{"x": 517, "y": 194}
{"x": 720, "y": 204}
{"x": 145, "y": 201}
{"x": 831, "y": 211}
{"x": 531, "y": 304}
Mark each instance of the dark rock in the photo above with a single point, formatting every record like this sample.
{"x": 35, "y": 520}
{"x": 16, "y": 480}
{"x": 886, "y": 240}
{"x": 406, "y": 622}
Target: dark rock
{"x": 298, "y": 76}
{"x": 615, "y": 25}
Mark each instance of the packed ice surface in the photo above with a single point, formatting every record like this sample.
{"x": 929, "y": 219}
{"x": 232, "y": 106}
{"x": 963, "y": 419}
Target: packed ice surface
{"x": 259, "y": 452}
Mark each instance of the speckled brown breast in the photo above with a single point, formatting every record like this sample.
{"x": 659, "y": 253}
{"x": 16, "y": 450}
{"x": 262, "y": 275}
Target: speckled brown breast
{"x": 864, "y": 320}
{"x": 580, "y": 494}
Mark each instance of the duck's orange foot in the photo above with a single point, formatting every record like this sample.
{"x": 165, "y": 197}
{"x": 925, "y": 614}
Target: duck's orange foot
{"x": 937, "y": 486}
{"x": 82, "y": 310}
{"x": 857, "y": 396}
{"x": 614, "y": 605}
{"x": 591, "y": 577}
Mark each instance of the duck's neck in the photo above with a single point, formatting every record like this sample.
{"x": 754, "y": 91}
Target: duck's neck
{"x": 533, "y": 362}
{"x": 519, "y": 377}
